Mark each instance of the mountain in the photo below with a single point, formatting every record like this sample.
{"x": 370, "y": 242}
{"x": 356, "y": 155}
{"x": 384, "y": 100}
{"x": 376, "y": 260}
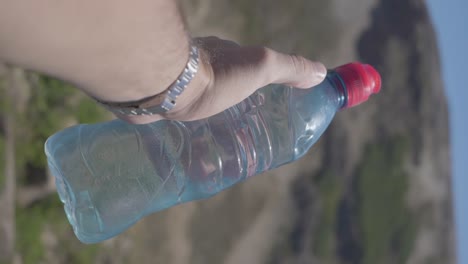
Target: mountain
{"x": 375, "y": 189}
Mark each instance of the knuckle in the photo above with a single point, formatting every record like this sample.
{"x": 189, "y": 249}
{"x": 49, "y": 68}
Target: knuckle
{"x": 299, "y": 64}
{"x": 259, "y": 54}
{"x": 268, "y": 55}
{"x": 267, "y": 63}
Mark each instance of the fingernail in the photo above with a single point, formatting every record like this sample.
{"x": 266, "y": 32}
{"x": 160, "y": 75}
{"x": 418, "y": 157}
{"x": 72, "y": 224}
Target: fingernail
{"x": 321, "y": 71}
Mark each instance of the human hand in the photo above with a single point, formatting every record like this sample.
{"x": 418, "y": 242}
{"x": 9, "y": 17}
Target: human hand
{"x": 121, "y": 51}
{"x": 229, "y": 73}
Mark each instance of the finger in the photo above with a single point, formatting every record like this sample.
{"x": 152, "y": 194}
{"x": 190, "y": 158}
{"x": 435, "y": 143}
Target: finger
{"x": 296, "y": 71}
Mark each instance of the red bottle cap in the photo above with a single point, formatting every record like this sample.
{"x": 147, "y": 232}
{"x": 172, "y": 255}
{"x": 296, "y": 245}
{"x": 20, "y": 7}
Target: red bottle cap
{"x": 361, "y": 81}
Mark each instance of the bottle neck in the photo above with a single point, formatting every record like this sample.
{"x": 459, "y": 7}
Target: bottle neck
{"x": 337, "y": 82}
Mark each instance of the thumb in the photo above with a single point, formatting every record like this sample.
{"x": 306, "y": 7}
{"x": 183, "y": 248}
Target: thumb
{"x": 296, "y": 71}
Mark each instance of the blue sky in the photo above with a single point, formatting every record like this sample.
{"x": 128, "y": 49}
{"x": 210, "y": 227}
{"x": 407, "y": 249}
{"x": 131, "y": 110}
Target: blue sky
{"x": 450, "y": 18}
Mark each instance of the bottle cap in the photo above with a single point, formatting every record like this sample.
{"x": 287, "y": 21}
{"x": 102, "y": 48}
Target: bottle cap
{"x": 361, "y": 81}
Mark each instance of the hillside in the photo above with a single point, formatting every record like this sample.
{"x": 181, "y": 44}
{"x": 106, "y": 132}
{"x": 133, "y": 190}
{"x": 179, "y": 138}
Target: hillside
{"x": 375, "y": 189}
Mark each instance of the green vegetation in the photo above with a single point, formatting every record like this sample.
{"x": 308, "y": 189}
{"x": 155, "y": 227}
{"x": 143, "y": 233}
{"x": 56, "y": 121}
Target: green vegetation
{"x": 51, "y": 103}
{"x": 29, "y": 225}
{"x": 44, "y": 115}
{"x": 88, "y": 112}
{"x": 294, "y": 28}
{"x": 252, "y": 30}
{"x": 2, "y": 139}
{"x": 48, "y": 214}
{"x": 2, "y": 162}
{"x": 331, "y": 192}
{"x": 388, "y": 227}
{"x": 323, "y": 235}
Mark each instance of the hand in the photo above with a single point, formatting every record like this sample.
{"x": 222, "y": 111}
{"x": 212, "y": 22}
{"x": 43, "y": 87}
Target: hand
{"x": 229, "y": 73}
{"x": 120, "y": 51}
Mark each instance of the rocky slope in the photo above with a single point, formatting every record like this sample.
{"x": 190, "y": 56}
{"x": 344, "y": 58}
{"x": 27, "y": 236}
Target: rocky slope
{"x": 375, "y": 189}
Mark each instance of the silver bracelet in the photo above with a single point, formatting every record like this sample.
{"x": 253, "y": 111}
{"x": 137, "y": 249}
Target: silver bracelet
{"x": 162, "y": 102}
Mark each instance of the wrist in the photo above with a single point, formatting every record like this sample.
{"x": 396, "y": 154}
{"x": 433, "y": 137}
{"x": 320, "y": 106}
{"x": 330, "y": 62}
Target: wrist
{"x": 136, "y": 79}
{"x": 197, "y": 88}
{"x": 181, "y": 97}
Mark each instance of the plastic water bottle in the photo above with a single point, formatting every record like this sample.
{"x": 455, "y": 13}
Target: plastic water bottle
{"x": 110, "y": 175}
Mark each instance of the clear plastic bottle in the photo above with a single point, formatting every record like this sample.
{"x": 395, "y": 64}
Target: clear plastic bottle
{"x": 110, "y": 175}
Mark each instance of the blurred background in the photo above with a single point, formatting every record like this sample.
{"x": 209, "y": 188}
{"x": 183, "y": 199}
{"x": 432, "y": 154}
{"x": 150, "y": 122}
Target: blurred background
{"x": 377, "y": 188}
